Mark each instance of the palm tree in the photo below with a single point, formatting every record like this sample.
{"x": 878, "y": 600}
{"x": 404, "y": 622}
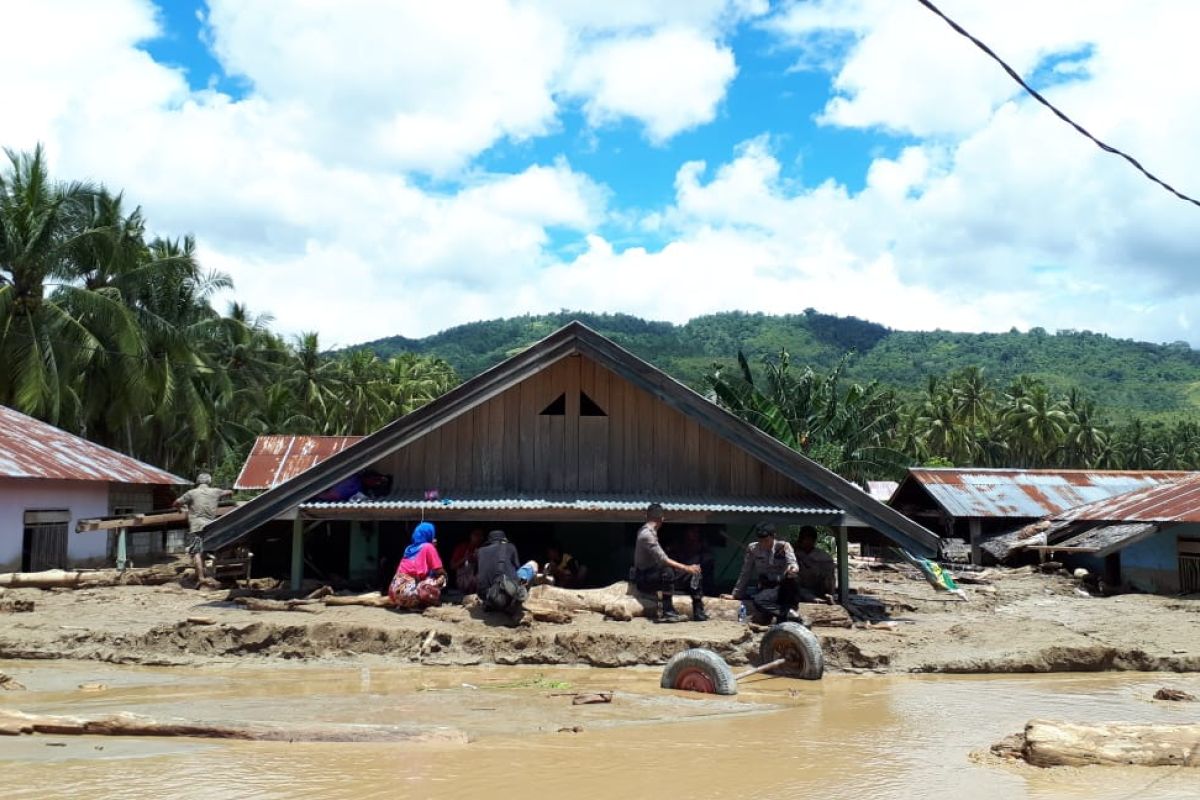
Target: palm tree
{"x": 311, "y": 377}
{"x": 1037, "y": 424}
{"x": 45, "y": 337}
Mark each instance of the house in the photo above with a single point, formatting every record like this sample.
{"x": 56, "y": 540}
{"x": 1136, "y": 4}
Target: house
{"x": 50, "y": 479}
{"x": 978, "y": 505}
{"x": 569, "y": 439}
{"x": 1147, "y": 539}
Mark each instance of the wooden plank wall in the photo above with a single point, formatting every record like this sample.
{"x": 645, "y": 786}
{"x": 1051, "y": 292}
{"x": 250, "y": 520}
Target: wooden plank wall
{"x": 642, "y": 446}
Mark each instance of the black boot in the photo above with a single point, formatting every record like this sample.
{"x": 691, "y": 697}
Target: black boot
{"x": 698, "y": 610}
{"x": 666, "y": 609}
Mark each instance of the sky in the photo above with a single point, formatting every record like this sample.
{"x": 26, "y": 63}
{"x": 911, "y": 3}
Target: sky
{"x": 365, "y": 168}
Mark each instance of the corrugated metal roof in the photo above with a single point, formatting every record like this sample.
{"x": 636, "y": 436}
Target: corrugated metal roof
{"x": 275, "y": 459}
{"x": 1171, "y": 502}
{"x": 1029, "y": 493}
{"x": 1104, "y": 539}
{"x": 30, "y": 448}
{"x": 882, "y": 490}
{"x": 574, "y": 503}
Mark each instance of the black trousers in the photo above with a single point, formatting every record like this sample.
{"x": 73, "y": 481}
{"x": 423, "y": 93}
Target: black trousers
{"x": 668, "y": 581}
{"x": 776, "y": 599}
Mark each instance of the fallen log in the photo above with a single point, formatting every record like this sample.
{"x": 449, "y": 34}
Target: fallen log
{"x": 15, "y": 723}
{"x": 1174, "y": 695}
{"x": 260, "y": 604}
{"x": 371, "y": 599}
{"x": 622, "y": 601}
{"x": 1047, "y": 743}
{"x": 93, "y": 578}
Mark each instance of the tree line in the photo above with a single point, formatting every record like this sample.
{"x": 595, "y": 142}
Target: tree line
{"x": 112, "y": 334}
{"x": 867, "y": 431}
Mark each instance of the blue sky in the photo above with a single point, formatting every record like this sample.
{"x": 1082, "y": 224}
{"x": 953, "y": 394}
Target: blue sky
{"x": 377, "y": 167}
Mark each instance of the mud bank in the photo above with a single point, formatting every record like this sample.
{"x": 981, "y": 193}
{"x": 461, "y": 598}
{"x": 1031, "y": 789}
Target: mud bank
{"x": 1019, "y": 622}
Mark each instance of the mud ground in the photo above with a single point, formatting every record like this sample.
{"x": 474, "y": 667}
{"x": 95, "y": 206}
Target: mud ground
{"x": 1019, "y": 622}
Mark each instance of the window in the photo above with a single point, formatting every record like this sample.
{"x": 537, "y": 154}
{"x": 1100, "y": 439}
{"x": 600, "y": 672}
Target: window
{"x": 557, "y": 408}
{"x": 1189, "y": 566}
{"x": 588, "y": 407}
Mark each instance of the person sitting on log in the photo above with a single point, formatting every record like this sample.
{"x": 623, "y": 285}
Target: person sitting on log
{"x": 503, "y": 580}
{"x": 420, "y": 576}
{"x": 654, "y": 572}
{"x": 563, "y": 568}
{"x": 816, "y": 568}
{"x": 693, "y": 548}
{"x": 463, "y": 562}
{"x": 767, "y": 584}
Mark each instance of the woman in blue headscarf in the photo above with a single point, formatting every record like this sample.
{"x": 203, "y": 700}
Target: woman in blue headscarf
{"x": 420, "y": 576}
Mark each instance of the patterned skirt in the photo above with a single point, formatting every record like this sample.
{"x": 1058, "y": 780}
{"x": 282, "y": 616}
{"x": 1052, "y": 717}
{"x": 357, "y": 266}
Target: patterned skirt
{"x": 408, "y": 592}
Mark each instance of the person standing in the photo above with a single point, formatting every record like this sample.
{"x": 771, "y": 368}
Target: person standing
{"x": 768, "y": 582}
{"x": 201, "y": 503}
{"x": 657, "y": 573}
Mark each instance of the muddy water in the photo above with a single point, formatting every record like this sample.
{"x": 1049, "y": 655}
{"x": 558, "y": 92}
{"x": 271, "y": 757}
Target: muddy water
{"x": 843, "y": 737}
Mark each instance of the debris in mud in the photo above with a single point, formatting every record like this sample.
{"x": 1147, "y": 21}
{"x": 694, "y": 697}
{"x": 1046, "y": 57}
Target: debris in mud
{"x": 572, "y": 729}
{"x": 15, "y": 723}
{"x": 8, "y": 606}
{"x": 201, "y": 621}
{"x": 586, "y": 699}
{"x": 93, "y": 687}
{"x": 259, "y": 604}
{"x": 10, "y": 684}
{"x": 1176, "y": 695}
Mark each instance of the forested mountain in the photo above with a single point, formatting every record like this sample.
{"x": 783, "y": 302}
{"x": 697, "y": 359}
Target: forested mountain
{"x": 1123, "y": 377}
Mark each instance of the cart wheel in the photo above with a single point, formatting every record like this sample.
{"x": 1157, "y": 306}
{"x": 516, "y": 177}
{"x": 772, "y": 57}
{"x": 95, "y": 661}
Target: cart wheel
{"x": 798, "y": 645}
{"x": 699, "y": 670}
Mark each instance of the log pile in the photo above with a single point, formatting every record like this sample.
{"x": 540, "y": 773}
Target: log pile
{"x": 16, "y": 723}
{"x": 1047, "y": 743}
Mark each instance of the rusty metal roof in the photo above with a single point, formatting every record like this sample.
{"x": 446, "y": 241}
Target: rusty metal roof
{"x": 30, "y": 448}
{"x": 1029, "y": 493}
{"x": 1170, "y": 502}
{"x": 275, "y": 459}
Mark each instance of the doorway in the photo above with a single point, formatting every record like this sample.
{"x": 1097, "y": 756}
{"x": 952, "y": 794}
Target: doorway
{"x": 44, "y": 544}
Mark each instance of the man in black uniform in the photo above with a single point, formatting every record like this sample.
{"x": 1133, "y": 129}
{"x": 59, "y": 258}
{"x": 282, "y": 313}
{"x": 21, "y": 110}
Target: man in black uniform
{"x": 503, "y": 580}
{"x": 656, "y": 572}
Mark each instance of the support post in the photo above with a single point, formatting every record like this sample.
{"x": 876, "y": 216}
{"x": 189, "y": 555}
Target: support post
{"x": 843, "y": 559}
{"x": 122, "y": 549}
{"x": 297, "y": 552}
{"x": 976, "y": 528}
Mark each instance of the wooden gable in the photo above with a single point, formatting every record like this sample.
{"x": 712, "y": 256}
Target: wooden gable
{"x": 578, "y": 428}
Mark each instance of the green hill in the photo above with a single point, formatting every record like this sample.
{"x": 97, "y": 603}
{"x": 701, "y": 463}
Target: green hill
{"x": 1121, "y": 375}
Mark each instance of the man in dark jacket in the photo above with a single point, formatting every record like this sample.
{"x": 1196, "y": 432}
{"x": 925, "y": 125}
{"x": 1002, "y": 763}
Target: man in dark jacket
{"x": 503, "y": 580}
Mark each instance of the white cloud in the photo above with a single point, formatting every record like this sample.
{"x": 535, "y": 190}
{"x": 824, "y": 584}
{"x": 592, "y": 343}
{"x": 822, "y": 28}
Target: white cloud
{"x": 314, "y": 190}
{"x": 672, "y": 80}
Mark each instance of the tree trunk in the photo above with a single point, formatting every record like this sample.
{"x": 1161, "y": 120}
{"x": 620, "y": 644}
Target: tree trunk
{"x": 1046, "y": 743}
{"x": 87, "y": 579}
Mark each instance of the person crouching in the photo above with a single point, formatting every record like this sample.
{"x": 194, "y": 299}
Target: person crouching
{"x": 503, "y": 580}
{"x": 420, "y": 576}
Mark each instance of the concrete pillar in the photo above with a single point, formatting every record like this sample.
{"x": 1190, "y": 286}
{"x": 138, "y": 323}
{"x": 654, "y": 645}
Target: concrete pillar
{"x": 297, "y": 574}
{"x": 843, "y": 559}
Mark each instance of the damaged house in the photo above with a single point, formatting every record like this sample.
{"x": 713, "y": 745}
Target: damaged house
{"x": 567, "y": 441}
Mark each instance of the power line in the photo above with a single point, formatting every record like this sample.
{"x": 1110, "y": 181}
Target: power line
{"x": 1036, "y": 96}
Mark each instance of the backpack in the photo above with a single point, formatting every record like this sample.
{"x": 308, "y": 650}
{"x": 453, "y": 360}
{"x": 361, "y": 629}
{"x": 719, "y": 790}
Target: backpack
{"x": 505, "y": 594}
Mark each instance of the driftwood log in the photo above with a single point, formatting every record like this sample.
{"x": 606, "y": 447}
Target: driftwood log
{"x": 15, "y": 723}
{"x": 261, "y": 604}
{"x": 93, "y": 578}
{"x": 621, "y": 601}
{"x": 372, "y": 599}
{"x": 1047, "y": 743}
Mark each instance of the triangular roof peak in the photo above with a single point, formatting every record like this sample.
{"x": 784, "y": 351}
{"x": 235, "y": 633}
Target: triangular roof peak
{"x": 575, "y": 338}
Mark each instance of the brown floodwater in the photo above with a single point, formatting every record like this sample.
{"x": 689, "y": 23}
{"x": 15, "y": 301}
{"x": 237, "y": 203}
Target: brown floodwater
{"x": 869, "y": 738}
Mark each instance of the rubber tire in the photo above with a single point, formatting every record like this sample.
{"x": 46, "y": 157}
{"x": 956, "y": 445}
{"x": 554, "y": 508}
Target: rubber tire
{"x": 705, "y": 663}
{"x": 802, "y": 642}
